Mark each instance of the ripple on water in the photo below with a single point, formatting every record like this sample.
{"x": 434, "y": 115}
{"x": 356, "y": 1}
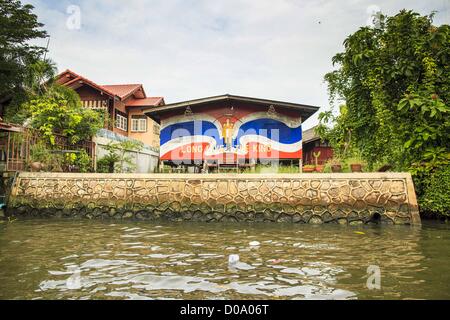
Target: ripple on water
{"x": 148, "y": 261}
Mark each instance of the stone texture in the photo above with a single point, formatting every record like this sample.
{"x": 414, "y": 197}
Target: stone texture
{"x": 295, "y": 198}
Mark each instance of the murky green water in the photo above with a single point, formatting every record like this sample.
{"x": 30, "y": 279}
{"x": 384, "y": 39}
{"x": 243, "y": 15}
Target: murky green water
{"x": 47, "y": 259}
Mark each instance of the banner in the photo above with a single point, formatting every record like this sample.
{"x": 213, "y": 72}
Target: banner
{"x": 257, "y": 135}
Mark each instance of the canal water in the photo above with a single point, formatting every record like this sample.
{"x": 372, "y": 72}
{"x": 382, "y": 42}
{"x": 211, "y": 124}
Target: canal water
{"x": 65, "y": 259}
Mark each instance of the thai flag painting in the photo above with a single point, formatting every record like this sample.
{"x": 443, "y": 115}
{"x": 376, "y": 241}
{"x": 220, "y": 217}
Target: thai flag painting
{"x": 217, "y": 137}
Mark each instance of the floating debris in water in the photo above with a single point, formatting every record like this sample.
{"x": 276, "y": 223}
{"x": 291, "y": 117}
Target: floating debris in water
{"x": 234, "y": 263}
{"x": 254, "y": 244}
{"x": 276, "y": 261}
{"x": 359, "y": 232}
{"x": 233, "y": 259}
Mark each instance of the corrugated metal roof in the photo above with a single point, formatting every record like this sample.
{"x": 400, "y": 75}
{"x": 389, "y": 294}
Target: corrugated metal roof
{"x": 309, "y": 135}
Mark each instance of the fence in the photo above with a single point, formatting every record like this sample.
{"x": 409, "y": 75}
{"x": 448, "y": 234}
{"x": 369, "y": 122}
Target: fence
{"x": 16, "y": 144}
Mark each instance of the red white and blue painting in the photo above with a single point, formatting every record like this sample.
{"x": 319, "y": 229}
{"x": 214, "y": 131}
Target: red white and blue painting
{"x": 220, "y": 134}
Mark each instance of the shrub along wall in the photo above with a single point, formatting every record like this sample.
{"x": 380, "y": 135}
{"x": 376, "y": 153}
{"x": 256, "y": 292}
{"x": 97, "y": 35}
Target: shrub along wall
{"x": 298, "y": 198}
{"x": 435, "y": 197}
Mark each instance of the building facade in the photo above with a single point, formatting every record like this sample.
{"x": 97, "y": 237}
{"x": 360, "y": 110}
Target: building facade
{"x": 314, "y": 147}
{"x": 230, "y": 130}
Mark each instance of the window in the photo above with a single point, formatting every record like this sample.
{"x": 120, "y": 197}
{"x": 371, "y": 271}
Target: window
{"x": 139, "y": 123}
{"x": 121, "y": 122}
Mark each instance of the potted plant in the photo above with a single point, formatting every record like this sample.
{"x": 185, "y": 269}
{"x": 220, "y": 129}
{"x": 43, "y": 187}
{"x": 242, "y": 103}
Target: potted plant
{"x": 39, "y": 157}
{"x": 356, "y": 167}
{"x": 309, "y": 168}
{"x": 37, "y": 166}
{"x": 335, "y": 165}
{"x": 356, "y": 164}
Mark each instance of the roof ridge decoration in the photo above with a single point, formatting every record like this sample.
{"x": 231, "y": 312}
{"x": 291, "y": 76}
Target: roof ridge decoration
{"x": 231, "y": 113}
{"x": 188, "y": 112}
{"x": 272, "y": 112}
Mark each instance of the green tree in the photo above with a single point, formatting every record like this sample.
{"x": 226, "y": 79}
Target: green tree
{"x": 18, "y": 27}
{"x": 394, "y": 81}
{"x": 38, "y": 81}
{"x": 39, "y": 77}
{"x": 59, "y": 111}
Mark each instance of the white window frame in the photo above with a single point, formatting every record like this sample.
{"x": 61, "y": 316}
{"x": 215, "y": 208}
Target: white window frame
{"x": 141, "y": 124}
{"x": 121, "y": 122}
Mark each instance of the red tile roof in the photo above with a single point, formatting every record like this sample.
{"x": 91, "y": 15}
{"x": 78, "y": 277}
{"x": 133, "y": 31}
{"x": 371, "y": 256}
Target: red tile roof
{"x": 146, "y": 102}
{"x": 123, "y": 90}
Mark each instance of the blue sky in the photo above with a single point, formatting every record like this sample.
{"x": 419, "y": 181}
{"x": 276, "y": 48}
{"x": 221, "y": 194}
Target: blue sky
{"x": 274, "y": 49}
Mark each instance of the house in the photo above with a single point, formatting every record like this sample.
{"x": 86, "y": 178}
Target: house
{"x": 230, "y": 130}
{"x": 312, "y": 144}
{"x": 123, "y": 103}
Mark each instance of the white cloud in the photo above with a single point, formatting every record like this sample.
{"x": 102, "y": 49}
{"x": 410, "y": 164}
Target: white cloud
{"x": 190, "y": 49}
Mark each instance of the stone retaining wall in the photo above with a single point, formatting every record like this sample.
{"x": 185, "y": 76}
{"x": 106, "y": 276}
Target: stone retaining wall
{"x": 355, "y": 198}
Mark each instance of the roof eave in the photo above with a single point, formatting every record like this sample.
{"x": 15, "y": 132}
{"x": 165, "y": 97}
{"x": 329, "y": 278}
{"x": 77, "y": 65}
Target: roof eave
{"x": 83, "y": 80}
{"x": 153, "y": 113}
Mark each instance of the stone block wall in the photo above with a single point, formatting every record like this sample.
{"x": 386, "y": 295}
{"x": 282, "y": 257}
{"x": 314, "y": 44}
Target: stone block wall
{"x": 355, "y": 198}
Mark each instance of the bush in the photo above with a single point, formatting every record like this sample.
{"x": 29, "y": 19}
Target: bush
{"x": 435, "y": 199}
{"x": 83, "y": 161}
{"x": 40, "y": 153}
{"x": 107, "y": 163}
{"x": 120, "y": 157}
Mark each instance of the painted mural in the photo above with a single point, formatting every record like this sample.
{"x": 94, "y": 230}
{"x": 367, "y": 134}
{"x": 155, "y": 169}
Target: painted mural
{"x": 228, "y": 135}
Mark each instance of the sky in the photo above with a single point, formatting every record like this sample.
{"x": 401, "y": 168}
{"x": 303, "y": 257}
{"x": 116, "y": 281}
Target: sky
{"x": 188, "y": 49}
